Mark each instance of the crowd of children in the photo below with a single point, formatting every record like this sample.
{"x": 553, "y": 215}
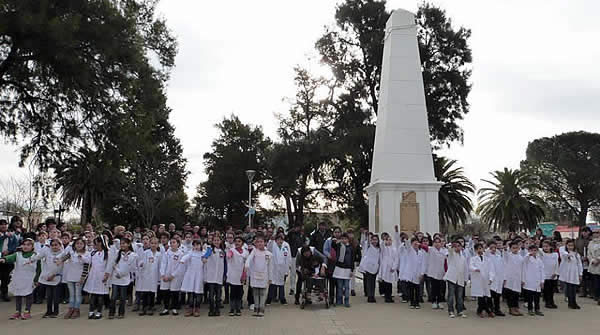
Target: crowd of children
{"x": 172, "y": 269}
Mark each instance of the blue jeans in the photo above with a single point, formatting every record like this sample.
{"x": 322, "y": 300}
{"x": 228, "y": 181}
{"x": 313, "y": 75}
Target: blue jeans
{"x": 342, "y": 287}
{"x": 74, "y": 294}
{"x": 455, "y": 292}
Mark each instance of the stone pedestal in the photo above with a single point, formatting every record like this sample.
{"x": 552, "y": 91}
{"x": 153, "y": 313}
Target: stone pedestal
{"x": 402, "y": 160}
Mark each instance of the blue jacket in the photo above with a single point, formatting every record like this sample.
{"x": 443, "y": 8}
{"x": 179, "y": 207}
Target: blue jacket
{"x": 12, "y": 243}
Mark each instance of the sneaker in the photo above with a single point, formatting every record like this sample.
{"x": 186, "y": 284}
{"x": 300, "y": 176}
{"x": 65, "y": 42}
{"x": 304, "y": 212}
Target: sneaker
{"x": 232, "y": 313}
{"x": 413, "y": 307}
{"x": 440, "y": 306}
{"x": 434, "y": 306}
{"x": 539, "y": 313}
{"x": 238, "y": 313}
{"x": 120, "y": 316}
{"x": 90, "y": 315}
{"x": 98, "y": 316}
{"x": 164, "y": 312}
{"x": 26, "y": 316}
{"x": 111, "y": 316}
{"x": 252, "y": 308}
{"x": 417, "y": 307}
{"x": 174, "y": 312}
{"x": 16, "y": 316}
{"x": 462, "y": 315}
{"x": 451, "y": 315}
{"x": 531, "y": 313}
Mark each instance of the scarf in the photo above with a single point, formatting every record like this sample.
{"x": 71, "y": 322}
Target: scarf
{"x": 342, "y": 253}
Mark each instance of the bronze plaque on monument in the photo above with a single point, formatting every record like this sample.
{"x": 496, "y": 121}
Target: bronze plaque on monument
{"x": 409, "y": 212}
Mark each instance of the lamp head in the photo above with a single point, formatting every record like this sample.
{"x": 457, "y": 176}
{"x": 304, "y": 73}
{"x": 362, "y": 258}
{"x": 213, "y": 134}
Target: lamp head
{"x": 250, "y": 174}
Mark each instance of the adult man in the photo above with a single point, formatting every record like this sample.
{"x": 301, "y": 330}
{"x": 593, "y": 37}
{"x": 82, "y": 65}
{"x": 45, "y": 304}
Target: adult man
{"x": 319, "y": 236}
{"x": 8, "y": 245}
{"x": 295, "y": 239}
{"x": 581, "y": 245}
{"x": 172, "y": 228}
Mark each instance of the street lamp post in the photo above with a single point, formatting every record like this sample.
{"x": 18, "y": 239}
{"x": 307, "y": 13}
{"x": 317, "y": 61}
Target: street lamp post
{"x": 250, "y": 174}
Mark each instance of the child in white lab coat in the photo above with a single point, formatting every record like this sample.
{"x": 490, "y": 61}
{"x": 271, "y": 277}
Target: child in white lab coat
{"x": 171, "y": 277}
{"x": 282, "y": 260}
{"x": 236, "y": 258}
{"x": 369, "y": 265}
{"x": 193, "y": 279}
{"x": 51, "y": 275}
{"x": 533, "y": 280}
{"x": 23, "y": 278}
{"x": 456, "y": 278}
{"x": 415, "y": 271}
{"x": 497, "y": 263}
{"x": 436, "y": 256}
{"x": 259, "y": 267}
{"x": 75, "y": 256}
{"x": 513, "y": 275}
{"x": 388, "y": 269}
{"x": 149, "y": 274}
{"x": 482, "y": 275}
{"x": 96, "y": 285}
{"x": 119, "y": 271}
{"x": 214, "y": 274}
{"x": 550, "y": 260}
{"x": 571, "y": 272}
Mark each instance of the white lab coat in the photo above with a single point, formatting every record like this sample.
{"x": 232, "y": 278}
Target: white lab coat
{"x": 388, "y": 264}
{"x": 370, "y": 260}
{"x": 435, "y": 263}
{"x": 49, "y": 266}
{"x": 550, "y": 261}
{"x": 458, "y": 268}
{"x": 593, "y": 253}
{"x": 21, "y": 284}
{"x": 533, "y": 273}
{"x": 148, "y": 271}
{"x": 513, "y": 268}
{"x": 73, "y": 267}
{"x": 94, "y": 283}
{"x": 480, "y": 280}
{"x": 170, "y": 267}
{"x": 415, "y": 264}
{"x": 193, "y": 279}
{"x": 235, "y": 265}
{"x": 282, "y": 258}
{"x": 215, "y": 267}
{"x": 120, "y": 269}
{"x": 497, "y": 264}
{"x": 260, "y": 268}
{"x": 572, "y": 267}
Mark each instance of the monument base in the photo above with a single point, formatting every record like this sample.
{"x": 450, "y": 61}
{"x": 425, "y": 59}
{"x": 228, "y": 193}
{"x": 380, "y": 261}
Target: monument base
{"x": 412, "y": 206}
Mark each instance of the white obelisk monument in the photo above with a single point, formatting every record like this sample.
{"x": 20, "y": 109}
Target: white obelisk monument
{"x": 403, "y": 189}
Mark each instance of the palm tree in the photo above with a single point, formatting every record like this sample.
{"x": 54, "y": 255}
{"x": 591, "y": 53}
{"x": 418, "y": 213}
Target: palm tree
{"x": 455, "y": 205}
{"x": 507, "y": 203}
{"x": 84, "y": 179}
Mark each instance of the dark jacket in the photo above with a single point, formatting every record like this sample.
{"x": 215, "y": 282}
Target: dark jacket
{"x": 348, "y": 262}
{"x": 317, "y": 239}
{"x": 296, "y": 241}
{"x": 12, "y": 243}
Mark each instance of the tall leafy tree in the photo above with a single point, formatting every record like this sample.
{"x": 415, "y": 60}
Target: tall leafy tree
{"x": 296, "y": 164}
{"x": 353, "y": 50}
{"x": 66, "y": 68}
{"x": 455, "y": 204}
{"x": 506, "y": 202}
{"x": 239, "y": 147}
{"x": 566, "y": 170}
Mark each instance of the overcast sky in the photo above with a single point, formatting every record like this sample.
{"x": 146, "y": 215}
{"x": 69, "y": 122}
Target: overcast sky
{"x": 535, "y": 71}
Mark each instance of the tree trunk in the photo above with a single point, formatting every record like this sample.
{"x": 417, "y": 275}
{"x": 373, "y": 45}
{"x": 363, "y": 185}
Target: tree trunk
{"x": 582, "y": 216}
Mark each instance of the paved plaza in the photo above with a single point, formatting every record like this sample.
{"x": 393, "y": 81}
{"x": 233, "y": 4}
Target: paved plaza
{"x": 361, "y": 318}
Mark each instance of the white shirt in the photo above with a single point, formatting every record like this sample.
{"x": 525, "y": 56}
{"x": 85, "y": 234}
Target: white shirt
{"x": 458, "y": 271}
{"x": 572, "y": 268}
{"x": 435, "y": 263}
{"x": 120, "y": 268}
{"x": 215, "y": 267}
{"x": 235, "y": 265}
{"x": 513, "y": 271}
{"x": 550, "y": 261}
{"x": 260, "y": 268}
{"x": 482, "y": 273}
